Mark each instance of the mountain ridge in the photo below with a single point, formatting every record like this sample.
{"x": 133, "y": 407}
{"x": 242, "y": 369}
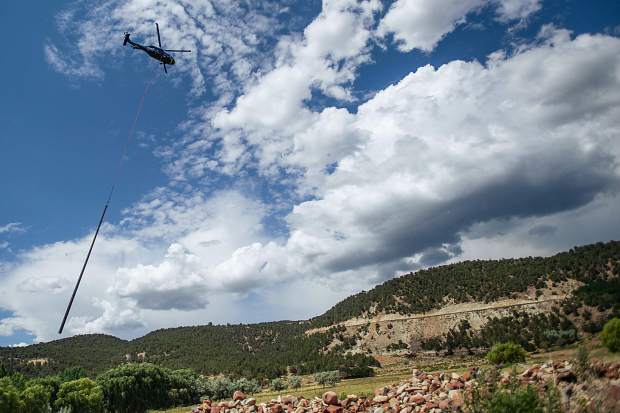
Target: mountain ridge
{"x": 273, "y": 348}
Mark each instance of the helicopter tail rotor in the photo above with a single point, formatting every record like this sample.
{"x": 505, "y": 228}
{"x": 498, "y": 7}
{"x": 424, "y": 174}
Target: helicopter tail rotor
{"x": 126, "y": 39}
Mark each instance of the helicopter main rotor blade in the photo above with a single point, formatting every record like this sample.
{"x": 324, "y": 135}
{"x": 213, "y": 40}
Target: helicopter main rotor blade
{"x": 165, "y": 70}
{"x": 178, "y": 51}
{"x": 158, "y": 38}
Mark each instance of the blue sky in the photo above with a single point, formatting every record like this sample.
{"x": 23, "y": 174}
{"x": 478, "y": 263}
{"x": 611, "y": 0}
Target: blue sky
{"x": 301, "y": 147}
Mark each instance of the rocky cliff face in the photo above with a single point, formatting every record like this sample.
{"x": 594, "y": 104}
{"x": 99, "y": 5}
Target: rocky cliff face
{"x": 395, "y": 333}
{"x": 387, "y": 331}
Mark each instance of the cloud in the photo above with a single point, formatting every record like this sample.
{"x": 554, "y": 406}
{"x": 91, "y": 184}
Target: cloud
{"x": 517, "y": 9}
{"x": 9, "y": 229}
{"x": 594, "y": 222}
{"x": 135, "y": 272}
{"x": 177, "y": 282}
{"x": 68, "y": 66}
{"x": 119, "y": 318}
{"x": 53, "y": 285}
{"x": 36, "y": 287}
{"x": 447, "y": 148}
{"x": 8, "y": 326}
{"x": 12, "y": 227}
{"x": 325, "y": 58}
{"x": 421, "y": 24}
{"x": 227, "y": 39}
{"x": 542, "y": 230}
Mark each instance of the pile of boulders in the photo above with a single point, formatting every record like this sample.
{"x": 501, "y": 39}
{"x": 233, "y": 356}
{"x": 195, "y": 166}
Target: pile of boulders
{"x": 425, "y": 392}
{"x": 440, "y": 392}
{"x": 595, "y": 389}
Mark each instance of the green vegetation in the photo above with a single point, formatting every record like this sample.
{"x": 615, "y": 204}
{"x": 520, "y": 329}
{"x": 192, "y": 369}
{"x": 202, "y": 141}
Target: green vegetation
{"x": 130, "y": 388}
{"x": 36, "y": 399}
{"x": 278, "y": 384}
{"x": 72, "y": 373}
{"x": 134, "y": 388}
{"x": 506, "y": 353}
{"x": 611, "y": 335}
{"x": 397, "y": 346}
{"x": 266, "y": 350}
{"x": 223, "y": 387}
{"x": 294, "y": 382}
{"x": 94, "y": 352}
{"x": 488, "y": 396}
{"x": 523, "y": 400}
{"x": 327, "y": 378}
{"x": 41, "y": 395}
{"x": 582, "y": 362}
{"x": 530, "y": 331}
{"x": 10, "y": 400}
{"x": 80, "y": 396}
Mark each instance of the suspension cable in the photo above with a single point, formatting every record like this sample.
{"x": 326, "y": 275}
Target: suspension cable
{"x": 115, "y": 179}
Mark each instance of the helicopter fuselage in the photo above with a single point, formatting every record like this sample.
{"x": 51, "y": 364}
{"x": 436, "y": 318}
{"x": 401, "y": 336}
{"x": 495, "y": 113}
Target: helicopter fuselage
{"x": 158, "y": 53}
{"x": 155, "y": 52}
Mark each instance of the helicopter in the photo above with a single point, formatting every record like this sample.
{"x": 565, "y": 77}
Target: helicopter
{"x": 157, "y": 53}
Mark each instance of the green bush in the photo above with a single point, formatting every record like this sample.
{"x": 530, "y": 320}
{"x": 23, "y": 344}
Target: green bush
{"x": 294, "y": 382}
{"x": 135, "y": 388}
{"x": 611, "y": 335}
{"x": 278, "y": 384}
{"x": 218, "y": 388}
{"x": 51, "y": 383}
{"x": 523, "y": 400}
{"x": 72, "y": 373}
{"x": 19, "y": 381}
{"x": 356, "y": 372}
{"x": 184, "y": 387}
{"x": 9, "y": 396}
{"x": 327, "y": 378}
{"x": 36, "y": 398}
{"x": 506, "y": 353}
{"x": 247, "y": 386}
{"x": 81, "y": 396}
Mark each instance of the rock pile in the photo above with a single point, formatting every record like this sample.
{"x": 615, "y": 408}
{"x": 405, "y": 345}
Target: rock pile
{"x": 598, "y": 387}
{"x": 440, "y": 392}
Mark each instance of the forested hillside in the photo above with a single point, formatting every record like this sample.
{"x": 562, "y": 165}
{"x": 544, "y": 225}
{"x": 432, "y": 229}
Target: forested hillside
{"x": 93, "y": 352}
{"x": 597, "y": 265}
{"x": 256, "y": 350}
{"x": 268, "y": 350}
{"x": 253, "y": 350}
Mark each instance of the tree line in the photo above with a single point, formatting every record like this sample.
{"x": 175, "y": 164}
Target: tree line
{"x": 261, "y": 351}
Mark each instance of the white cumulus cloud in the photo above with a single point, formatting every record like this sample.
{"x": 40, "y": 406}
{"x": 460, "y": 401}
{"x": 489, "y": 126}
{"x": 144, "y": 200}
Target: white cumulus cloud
{"x": 445, "y": 148}
{"x": 421, "y": 24}
{"x": 177, "y": 282}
